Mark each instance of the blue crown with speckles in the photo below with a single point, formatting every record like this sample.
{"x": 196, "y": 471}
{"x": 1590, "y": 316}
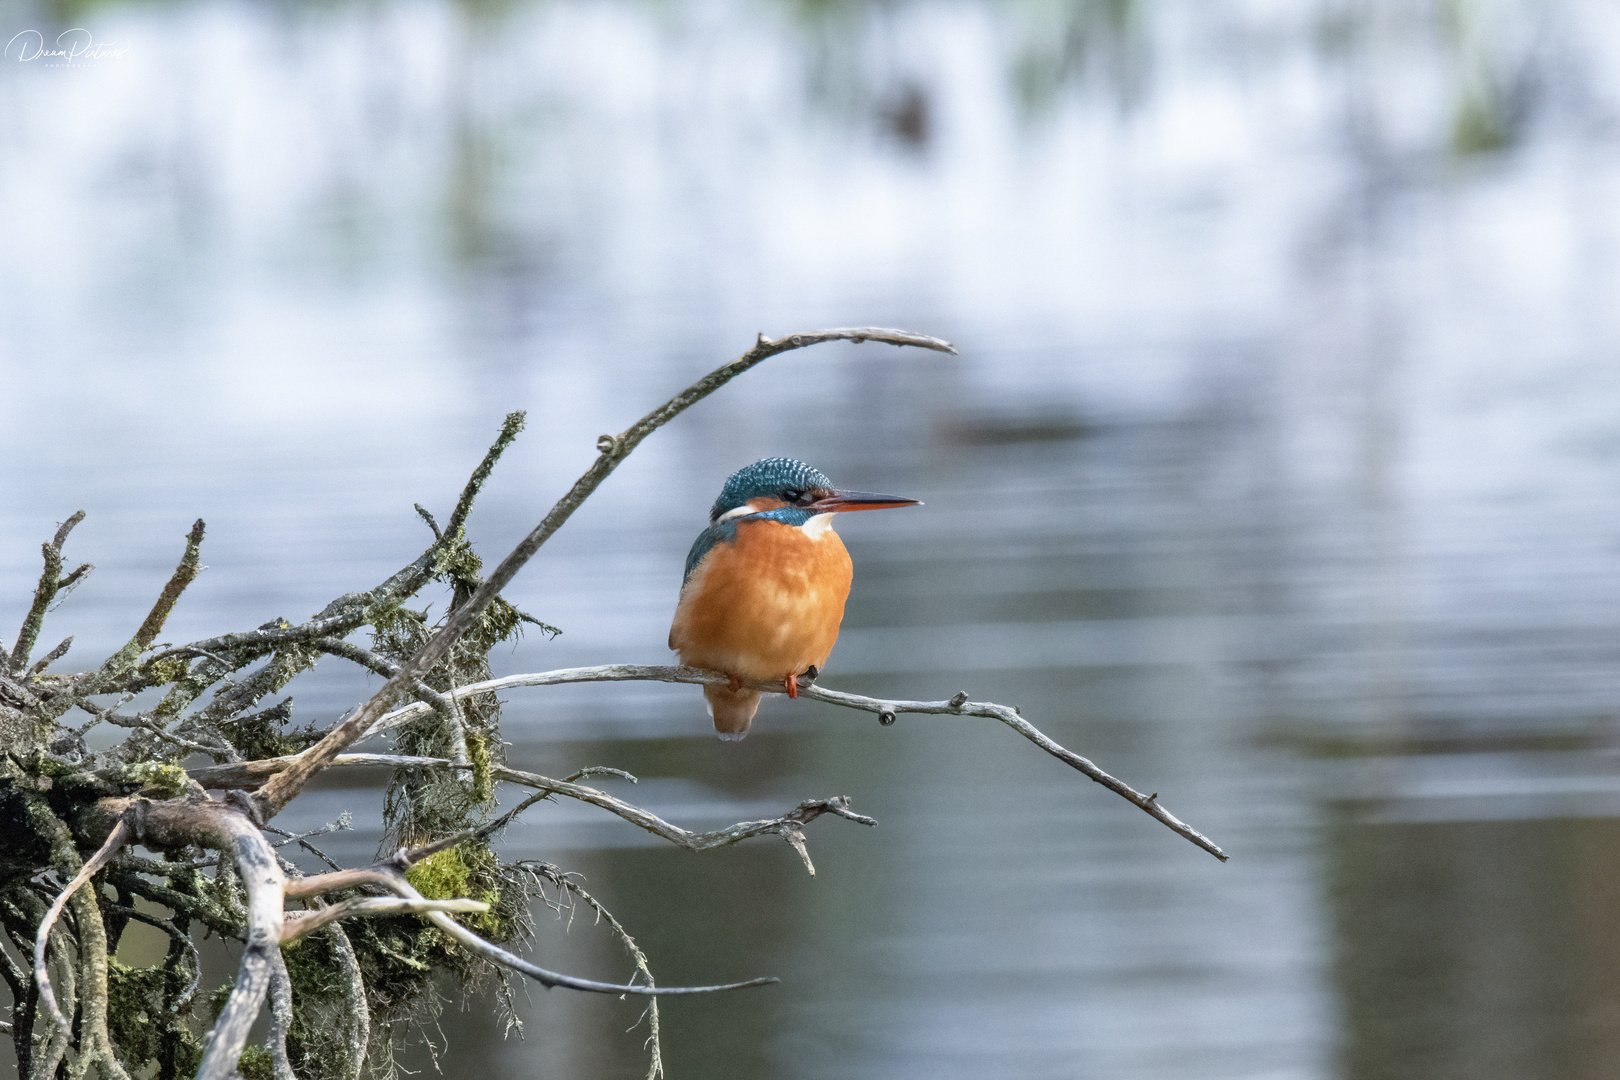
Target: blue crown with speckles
{"x": 770, "y": 476}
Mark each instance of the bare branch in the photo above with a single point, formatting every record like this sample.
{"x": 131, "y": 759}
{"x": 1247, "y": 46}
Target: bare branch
{"x": 281, "y": 1016}
{"x": 52, "y": 657}
{"x": 444, "y": 706}
{"x": 422, "y": 512}
{"x": 50, "y": 580}
{"x": 613, "y": 449}
{"x": 184, "y": 575}
{"x": 960, "y": 706}
{"x": 390, "y": 875}
{"x": 789, "y": 826}
{"x": 555, "y": 875}
{"x": 94, "y": 1041}
{"x": 299, "y": 923}
{"x": 356, "y": 1013}
{"x": 458, "y": 517}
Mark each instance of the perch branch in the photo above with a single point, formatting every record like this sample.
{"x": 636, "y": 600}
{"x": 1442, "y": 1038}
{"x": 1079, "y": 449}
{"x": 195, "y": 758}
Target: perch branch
{"x": 958, "y": 706}
{"x": 613, "y": 449}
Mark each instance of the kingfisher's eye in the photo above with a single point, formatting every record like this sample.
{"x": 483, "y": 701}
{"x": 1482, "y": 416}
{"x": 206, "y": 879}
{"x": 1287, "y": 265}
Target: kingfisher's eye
{"x": 792, "y": 495}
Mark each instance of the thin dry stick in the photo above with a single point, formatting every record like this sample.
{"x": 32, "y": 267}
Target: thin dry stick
{"x": 42, "y": 979}
{"x": 390, "y": 875}
{"x": 275, "y": 795}
{"x": 50, "y": 583}
{"x": 789, "y": 826}
{"x": 564, "y": 883}
{"x": 297, "y": 924}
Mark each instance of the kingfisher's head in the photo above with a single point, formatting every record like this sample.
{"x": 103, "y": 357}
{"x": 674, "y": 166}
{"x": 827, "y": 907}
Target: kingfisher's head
{"x": 783, "y": 483}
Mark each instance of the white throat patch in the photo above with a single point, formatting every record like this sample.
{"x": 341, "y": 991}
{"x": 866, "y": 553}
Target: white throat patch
{"x": 818, "y": 526}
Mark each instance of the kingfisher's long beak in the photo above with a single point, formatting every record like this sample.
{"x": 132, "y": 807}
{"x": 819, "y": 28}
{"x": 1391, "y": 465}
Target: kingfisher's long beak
{"x": 842, "y": 502}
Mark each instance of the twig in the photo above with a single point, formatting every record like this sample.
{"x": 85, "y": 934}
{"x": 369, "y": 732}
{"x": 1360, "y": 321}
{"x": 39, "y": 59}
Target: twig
{"x": 960, "y": 706}
{"x": 52, "y": 657}
{"x": 356, "y": 1011}
{"x": 554, "y": 874}
{"x": 458, "y": 517}
{"x": 94, "y": 1041}
{"x": 416, "y": 855}
{"x": 50, "y": 580}
{"x": 390, "y": 875}
{"x": 422, "y": 512}
{"x": 370, "y": 660}
{"x": 613, "y": 449}
{"x": 789, "y": 826}
{"x": 299, "y": 923}
{"x": 184, "y": 575}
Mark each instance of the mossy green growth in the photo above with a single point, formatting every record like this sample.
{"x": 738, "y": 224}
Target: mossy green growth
{"x": 142, "y": 1026}
{"x": 483, "y": 777}
{"x": 256, "y": 1064}
{"x": 325, "y": 1029}
{"x": 167, "y": 671}
{"x": 166, "y": 780}
{"x": 446, "y": 875}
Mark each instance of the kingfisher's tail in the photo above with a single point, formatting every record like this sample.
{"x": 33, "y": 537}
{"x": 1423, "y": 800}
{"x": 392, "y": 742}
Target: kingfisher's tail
{"x": 733, "y": 710}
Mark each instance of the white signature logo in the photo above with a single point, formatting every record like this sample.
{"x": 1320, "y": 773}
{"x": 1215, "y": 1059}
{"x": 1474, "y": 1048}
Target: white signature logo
{"x": 71, "y": 45}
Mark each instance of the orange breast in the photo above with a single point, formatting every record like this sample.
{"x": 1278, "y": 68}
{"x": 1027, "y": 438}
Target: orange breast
{"x": 766, "y": 605}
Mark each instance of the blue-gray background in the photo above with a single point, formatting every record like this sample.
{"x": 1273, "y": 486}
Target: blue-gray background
{"x": 1277, "y": 473}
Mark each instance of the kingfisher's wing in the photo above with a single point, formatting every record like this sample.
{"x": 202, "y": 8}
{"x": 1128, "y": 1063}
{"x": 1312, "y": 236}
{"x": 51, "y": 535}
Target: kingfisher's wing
{"x": 723, "y": 533}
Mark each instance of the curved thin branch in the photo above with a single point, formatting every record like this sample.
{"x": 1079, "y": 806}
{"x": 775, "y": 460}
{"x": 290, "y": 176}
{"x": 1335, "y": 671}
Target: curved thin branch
{"x": 42, "y": 978}
{"x": 565, "y": 884}
{"x": 297, "y": 924}
{"x": 281, "y": 790}
{"x": 389, "y": 875}
{"x": 961, "y": 706}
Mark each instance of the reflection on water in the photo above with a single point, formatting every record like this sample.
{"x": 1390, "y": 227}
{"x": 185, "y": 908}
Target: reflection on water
{"x": 1284, "y": 423}
{"x": 1478, "y": 949}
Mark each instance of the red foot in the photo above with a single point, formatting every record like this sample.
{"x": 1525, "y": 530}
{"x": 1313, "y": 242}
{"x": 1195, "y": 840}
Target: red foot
{"x": 736, "y": 682}
{"x": 792, "y": 684}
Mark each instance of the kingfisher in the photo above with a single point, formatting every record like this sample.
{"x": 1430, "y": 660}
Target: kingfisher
{"x": 765, "y": 584}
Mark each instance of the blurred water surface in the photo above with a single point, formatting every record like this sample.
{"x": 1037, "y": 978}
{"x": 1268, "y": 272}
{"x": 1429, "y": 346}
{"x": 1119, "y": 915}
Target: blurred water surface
{"x": 1277, "y": 473}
